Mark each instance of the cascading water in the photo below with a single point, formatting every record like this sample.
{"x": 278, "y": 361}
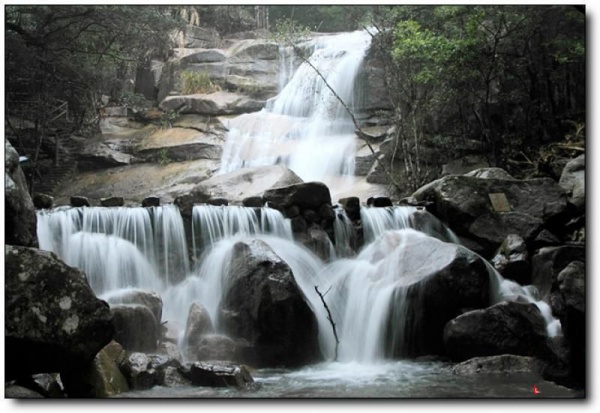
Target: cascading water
{"x": 304, "y": 116}
{"x": 145, "y": 248}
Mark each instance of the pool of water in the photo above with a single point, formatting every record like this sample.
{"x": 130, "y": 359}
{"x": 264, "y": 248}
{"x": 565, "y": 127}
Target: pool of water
{"x": 400, "y": 379}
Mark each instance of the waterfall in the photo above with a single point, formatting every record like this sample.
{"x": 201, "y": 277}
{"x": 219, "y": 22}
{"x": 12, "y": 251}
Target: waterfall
{"x": 305, "y": 127}
{"x": 148, "y": 242}
{"x": 344, "y": 233}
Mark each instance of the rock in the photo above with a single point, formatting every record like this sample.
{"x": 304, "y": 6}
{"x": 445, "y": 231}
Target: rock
{"x": 196, "y": 36}
{"x": 505, "y": 328}
{"x": 20, "y": 222}
{"x": 49, "y": 385}
{"x": 352, "y": 207}
{"x": 179, "y": 144}
{"x": 151, "y": 201}
{"x": 545, "y": 239}
{"x": 43, "y": 201}
{"x": 136, "y": 328}
{"x": 198, "y": 325}
{"x": 217, "y": 347}
{"x": 436, "y": 280}
{"x": 218, "y": 202}
{"x": 306, "y": 195}
{"x": 463, "y": 203}
{"x": 206, "y": 124}
{"x": 53, "y": 318}
{"x": 172, "y": 377}
{"x": 102, "y": 377}
{"x": 512, "y": 260}
{"x": 113, "y": 201}
{"x": 291, "y": 212}
{"x": 99, "y": 155}
{"x": 502, "y": 364}
{"x": 298, "y": 225}
{"x": 170, "y": 349}
{"x": 237, "y": 185}
{"x": 13, "y": 391}
{"x": 379, "y": 202}
{"x": 265, "y": 307}
{"x": 571, "y": 282}
{"x": 253, "y": 201}
{"x": 149, "y": 299}
{"x": 572, "y": 180}
{"x": 217, "y": 374}
{"x": 310, "y": 216}
{"x": 490, "y": 173}
{"x": 363, "y": 164}
{"x": 213, "y": 104}
{"x": 327, "y": 213}
{"x": 137, "y": 369}
{"x": 317, "y": 240}
{"x": 547, "y": 263}
{"x": 373, "y": 133}
{"x": 464, "y": 165}
{"x": 252, "y": 50}
{"x": 80, "y": 201}
{"x": 204, "y": 56}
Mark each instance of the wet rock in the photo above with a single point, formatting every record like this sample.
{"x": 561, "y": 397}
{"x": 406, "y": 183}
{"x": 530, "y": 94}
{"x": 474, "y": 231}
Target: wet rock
{"x": 502, "y": 364}
{"x": 136, "y": 328}
{"x": 217, "y": 347}
{"x": 20, "y": 221}
{"x": 292, "y": 212}
{"x": 80, "y": 201}
{"x": 512, "y": 260}
{"x": 352, "y": 207}
{"x": 327, "y": 213}
{"x": 546, "y": 239}
{"x": 265, "y": 307}
{"x": 49, "y": 385}
{"x": 317, "y": 240}
{"x": 379, "y": 202}
{"x": 151, "y": 201}
{"x": 137, "y": 369}
{"x": 463, "y": 203}
{"x": 306, "y": 195}
{"x": 253, "y": 201}
{"x": 310, "y": 216}
{"x": 298, "y": 224}
{"x": 505, "y": 328}
{"x": 436, "y": 280}
{"x": 172, "y": 377}
{"x": 43, "y": 201}
{"x": 149, "y": 299}
{"x": 52, "y": 317}
{"x": 572, "y": 180}
{"x": 113, "y": 201}
{"x": 217, "y": 374}
{"x": 218, "y": 202}
{"x": 198, "y": 325}
{"x": 465, "y": 165}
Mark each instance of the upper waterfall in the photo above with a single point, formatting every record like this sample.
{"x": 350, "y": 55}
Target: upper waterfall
{"x": 306, "y": 127}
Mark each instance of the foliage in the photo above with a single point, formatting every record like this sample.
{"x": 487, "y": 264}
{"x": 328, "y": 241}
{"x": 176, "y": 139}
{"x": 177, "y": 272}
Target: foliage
{"x": 75, "y": 53}
{"x": 163, "y": 157}
{"x": 167, "y": 118}
{"x": 197, "y": 82}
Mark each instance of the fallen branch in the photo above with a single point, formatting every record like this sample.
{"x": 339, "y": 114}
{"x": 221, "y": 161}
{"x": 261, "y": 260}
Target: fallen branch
{"x": 337, "y": 341}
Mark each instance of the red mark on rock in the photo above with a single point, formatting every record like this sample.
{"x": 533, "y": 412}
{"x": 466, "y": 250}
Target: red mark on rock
{"x": 535, "y": 390}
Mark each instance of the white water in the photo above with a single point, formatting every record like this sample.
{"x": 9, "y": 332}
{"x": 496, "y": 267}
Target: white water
{"x": 305, "y": 127}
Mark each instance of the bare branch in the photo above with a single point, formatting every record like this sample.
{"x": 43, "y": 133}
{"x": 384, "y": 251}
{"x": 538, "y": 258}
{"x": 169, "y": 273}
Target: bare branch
{"x": 329, "y": 317}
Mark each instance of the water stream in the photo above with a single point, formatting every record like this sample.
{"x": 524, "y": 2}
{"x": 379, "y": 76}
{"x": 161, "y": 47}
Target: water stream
{"x": 306, "y": 128}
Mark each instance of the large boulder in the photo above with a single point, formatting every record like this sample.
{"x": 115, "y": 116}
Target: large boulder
{"x": 490, "y": 173}
{"x": 433, "y": 281}
{"x": 99, "y": 155}
{"x": 216, "y": 347}
{"x": 464, "y": 204}
{"x": 305, "y": 195}
{"x": 53, "y": 319}
{"x": 180, "y": 144}
{"x": 136, "y": 328}
{"x": 237, "y": 185}
{"x": 20, "y": 220}
{"x": 502, "y": 364}
{"x": 265, "y": 306}
{"x": 572, "y": 180}
{"x": 505, "y": 328}
{"x": 198, "y": 325}
{"x": 149, "y": 299}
